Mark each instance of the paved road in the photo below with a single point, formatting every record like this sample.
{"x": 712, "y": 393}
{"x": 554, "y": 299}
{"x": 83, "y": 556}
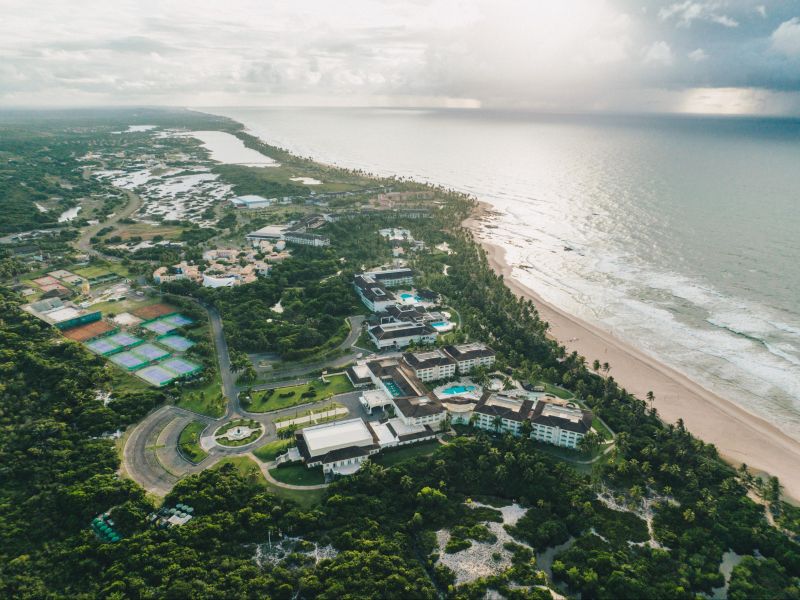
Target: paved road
{"x": 151, "y": 456}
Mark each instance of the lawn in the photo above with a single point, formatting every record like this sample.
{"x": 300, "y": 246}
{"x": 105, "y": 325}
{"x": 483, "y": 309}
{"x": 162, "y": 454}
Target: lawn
{"x": 189, "y": 442}
{"x": 305, "y": 498}
{"x": 268, "y": 452}
{"x": 247, "y": 468}
{"x": 120, "y": 306}
{"x": 294, "y": 395}
{"x": 556, "y": 391}
{"x": 394, "y": 456}
{"x": 298, "y": 475}
{"x": 598, "y": 426}
{"x": 206, "y": 399}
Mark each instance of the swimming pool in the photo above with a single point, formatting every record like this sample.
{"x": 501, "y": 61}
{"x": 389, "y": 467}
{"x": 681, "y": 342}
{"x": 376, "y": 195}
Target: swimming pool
{"x": 458, "y": 389}
{"x": 406, "y": 297}
{"x": 440, "y": 324}
{"x": 393, "y": 388}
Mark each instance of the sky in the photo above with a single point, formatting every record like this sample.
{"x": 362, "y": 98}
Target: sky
{"x": 704, "y": 56}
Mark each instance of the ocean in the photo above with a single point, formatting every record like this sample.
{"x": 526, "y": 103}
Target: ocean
{"x": 678, "y": 234}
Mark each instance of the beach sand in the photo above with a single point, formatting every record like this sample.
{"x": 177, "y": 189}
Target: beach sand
{"x": 740, "y": 437}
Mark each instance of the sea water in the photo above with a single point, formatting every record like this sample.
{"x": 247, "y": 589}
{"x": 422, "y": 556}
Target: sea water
{"x": 680, "y": 235}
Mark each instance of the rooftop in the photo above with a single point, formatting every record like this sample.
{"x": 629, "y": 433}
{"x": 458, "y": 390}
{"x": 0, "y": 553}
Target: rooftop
{"x": 351, "y": 432}
{"x": 425, "y": 360}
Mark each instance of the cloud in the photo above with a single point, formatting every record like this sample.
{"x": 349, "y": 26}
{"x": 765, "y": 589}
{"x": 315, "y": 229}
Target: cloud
{"x": 658, "y": 54}
{"x": 565, "y": 55}
{"x": 698, "y": 55}
{"x": 687, "y": 12}
{"x": 762, "y": 10}
{"x": 786, "y": 38}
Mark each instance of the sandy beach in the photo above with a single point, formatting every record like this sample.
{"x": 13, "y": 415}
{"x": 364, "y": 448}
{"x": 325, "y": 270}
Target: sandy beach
{"x": 740, "y": 436}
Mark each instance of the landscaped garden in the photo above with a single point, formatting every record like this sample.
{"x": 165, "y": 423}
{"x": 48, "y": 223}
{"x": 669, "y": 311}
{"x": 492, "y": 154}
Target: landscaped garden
{"x": 393, "y": 456}
{"x": 189, "y": 442}
{"x": 270, "y": 451}
{"x": 286, "y": 397}
{"x": 238, "y": 432}
{"x": 298, "y": 475}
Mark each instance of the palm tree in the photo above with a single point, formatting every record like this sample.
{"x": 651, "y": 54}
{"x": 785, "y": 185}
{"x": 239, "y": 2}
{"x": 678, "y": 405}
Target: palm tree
{"x": 651, "y": 398}
{"x": 498, "y": 423}
{"x": 606, "y": 367}
{"x": 596, "y": 365}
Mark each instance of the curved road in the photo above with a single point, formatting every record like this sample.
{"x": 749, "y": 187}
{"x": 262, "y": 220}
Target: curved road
{"x": 84, "y": 244}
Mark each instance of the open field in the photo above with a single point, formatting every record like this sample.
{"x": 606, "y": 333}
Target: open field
{"x": 298, "y": 475}
{"x": 305, "y": 498}
{"x": 287, "y": 397}
{"x": 120, "y": 306}
{"x": 147, "y": 231}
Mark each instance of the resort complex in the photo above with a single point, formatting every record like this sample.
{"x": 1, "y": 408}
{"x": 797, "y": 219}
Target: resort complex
{"x": 394, "y": 389}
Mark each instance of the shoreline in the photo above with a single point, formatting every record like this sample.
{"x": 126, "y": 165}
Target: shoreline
{"x": 740, "y": 436}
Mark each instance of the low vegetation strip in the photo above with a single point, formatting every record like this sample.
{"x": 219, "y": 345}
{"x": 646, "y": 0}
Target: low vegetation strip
{"x": 270, "y": 451}
{"x": 189, "y": 442}
{"x": 298, "y": 475}
{"x": 286, "y": 397}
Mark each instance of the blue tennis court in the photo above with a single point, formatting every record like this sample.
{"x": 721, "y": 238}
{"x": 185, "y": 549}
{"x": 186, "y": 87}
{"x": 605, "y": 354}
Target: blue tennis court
{"x": 176, "y": 342}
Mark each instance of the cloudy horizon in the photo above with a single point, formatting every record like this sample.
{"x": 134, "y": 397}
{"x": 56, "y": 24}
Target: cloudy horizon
{"x": 713, "y": 56}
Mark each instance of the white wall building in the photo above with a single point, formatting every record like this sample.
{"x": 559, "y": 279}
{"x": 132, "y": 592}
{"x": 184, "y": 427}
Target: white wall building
{"x": 430, "y": 366}
{"x": 470, "y": 356}
{"x": 400, "y": 335}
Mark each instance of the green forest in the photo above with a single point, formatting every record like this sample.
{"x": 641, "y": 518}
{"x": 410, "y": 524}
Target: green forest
{"x": 652, "y": 519}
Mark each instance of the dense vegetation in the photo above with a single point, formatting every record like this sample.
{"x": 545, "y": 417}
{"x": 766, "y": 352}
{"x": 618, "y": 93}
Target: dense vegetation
{"x": 652, "y": 519}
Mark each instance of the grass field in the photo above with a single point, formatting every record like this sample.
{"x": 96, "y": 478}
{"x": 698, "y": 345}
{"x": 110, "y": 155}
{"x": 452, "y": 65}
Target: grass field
{"x": 206, "y": 399}
{"x": 120, "y": 306}
{"x": 394, "y": 456}
{"x": 601, "y": 429}
{"x": 268, "y": 452}
{"x": 287, "y": 397}
{"x": 189, "y": 441}
{"x": 298, "y": 475}
{"x": 147, "y": 232}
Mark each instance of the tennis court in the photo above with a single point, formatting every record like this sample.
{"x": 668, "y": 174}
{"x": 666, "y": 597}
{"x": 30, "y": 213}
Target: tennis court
{"x": 103, "y": 346}
{"x": 160, "y": 327}
{"x": 125, "y": 340}
{"x": 129, "y": 360}
{"x": 178, "y": 320}
{"x": 180, "y": 366}
{"x": 156, "y": 375}
{"x": 176, "y": 342}
{"x": 150, "y": 352}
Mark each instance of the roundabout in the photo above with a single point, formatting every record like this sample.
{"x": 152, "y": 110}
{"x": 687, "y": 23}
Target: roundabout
{"x": 238, "y": 433}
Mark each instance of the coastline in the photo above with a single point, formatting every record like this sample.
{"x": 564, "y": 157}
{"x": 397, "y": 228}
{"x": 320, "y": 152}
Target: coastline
{"x": 740, "y": 436}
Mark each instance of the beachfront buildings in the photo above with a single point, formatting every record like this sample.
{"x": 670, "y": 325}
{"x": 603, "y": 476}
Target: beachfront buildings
{"x": 550, "y": 421}
{"x": 409, "y": 399}
{"x": 401, "y": 334}
{"x": 471, "y": 356}
{"x": 430, "y": 366}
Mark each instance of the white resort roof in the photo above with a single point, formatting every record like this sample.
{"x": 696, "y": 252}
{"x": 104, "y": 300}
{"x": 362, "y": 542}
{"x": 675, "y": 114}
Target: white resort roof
{"x": 320, "y": 439}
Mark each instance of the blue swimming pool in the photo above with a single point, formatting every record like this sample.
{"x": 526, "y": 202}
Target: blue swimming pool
{"x": 458, "y": 389}
{"x": 393, "y": 388}
{"x": 407, "y": 296}
{"x": 440, "y": 324}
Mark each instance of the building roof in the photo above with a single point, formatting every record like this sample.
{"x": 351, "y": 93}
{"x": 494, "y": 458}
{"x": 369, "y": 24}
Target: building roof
{"x": 469, "y": 351}
{"x": 390, "y": 331}
{"x": 418, "y": 406}
{"x": 405, "y": 313}
{"x": 321, "y": 439}
{"x": 505, "y": 407}
{"x": 390, "y": 368}
{"x": 385, "y": 274}
{"x": 371, "y": 289}
{"x": 359, "y": 374}
{"x": 274, "y": 232}
{"x": 427, "y": 360}
{"x": 570, "y": 418}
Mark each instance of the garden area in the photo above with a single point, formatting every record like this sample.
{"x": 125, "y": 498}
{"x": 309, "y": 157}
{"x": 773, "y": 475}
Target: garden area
{"x": 239, "y": 432}
{"x": 270, "y": 451}
{"x": 189, "y": 442}
{"x": 286, "y": 397}
{"x": 204, "y": 398}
